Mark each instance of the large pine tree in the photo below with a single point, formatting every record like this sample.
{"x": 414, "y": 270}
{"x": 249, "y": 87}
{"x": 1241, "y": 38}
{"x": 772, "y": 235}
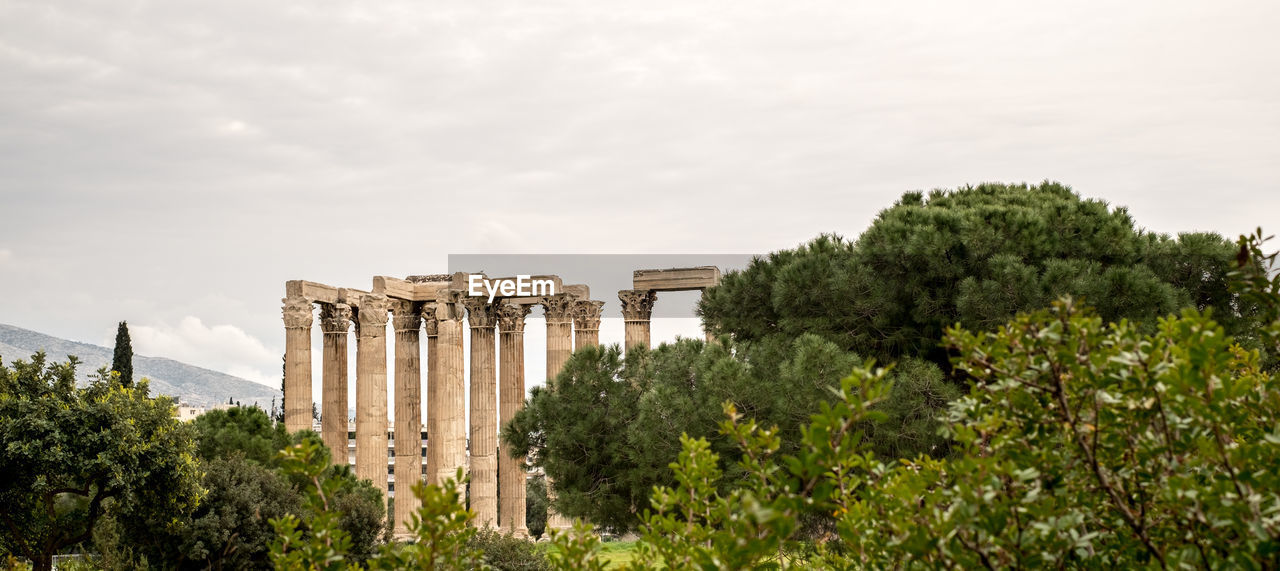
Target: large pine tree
{"x": 975, "y": 256}
{"x": 122, "y": 361}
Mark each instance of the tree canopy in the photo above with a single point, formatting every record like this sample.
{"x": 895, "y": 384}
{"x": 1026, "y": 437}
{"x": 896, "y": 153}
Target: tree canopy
{"x": 975, "y": 256}
{"x": 122, "y": 356}
{"x": 1084, "y": 445}
{"x": 71, "y": 454}
{"x": 605, "y": 430}
{"x": 239, "y": 451}
{"x": 239, "y": 429}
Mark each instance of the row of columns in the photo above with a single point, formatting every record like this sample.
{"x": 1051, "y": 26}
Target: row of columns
{"x": 446, "y": 425}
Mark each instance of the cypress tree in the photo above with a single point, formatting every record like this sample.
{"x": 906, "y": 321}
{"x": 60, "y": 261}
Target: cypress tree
{"x": 122, "y": 361}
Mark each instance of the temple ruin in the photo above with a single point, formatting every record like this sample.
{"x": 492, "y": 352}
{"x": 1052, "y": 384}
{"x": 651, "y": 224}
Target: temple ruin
{"x": 440, "y": 304}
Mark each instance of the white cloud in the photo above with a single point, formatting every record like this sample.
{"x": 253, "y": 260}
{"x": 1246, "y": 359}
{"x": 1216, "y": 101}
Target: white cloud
{"x": 209, "y": 152}
{"x": 225, "y": 348}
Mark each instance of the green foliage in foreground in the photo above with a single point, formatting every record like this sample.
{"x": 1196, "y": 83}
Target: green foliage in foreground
{"x": 1084, "y": 445}
{"x": 72, "y": 457}
{"x": 443, "y": 536}
{"x": 441, "y": 527}
{"x": 505, "y": 552}
{"x": 605, "y": 430}
{"x": 535, "y": 509}
{"x": 238, "y": 450}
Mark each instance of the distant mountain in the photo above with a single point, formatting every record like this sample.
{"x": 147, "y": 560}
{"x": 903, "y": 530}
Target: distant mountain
{"x": 190, "y": 384}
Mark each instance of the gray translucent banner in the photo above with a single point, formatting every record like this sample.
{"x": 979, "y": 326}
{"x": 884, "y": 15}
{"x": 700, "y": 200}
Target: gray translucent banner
{"x": 605, "y": 274}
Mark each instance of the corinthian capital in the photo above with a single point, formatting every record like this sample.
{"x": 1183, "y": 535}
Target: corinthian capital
{"x": 637, "y": 305}
{"x": 558, "y": 306}
{"x": 372, "y": 313}
{"x": 335, "y": 317}
{"x": 297, "y": 313}
{"x": 449, "y": 305}
{"x": 429, "y": 319}
{"x": 406, "y": 316}
{"x": 586, "y": 314}
{"x": 480, "y": 314}
{"x": 511, "y": 317}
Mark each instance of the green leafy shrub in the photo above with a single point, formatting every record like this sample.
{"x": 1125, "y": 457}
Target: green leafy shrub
{"x": 606, "y": 429}
{"x": 505, "y": 552}
{"x": 1082, "y": 444}
{"x": 71, "y": 457}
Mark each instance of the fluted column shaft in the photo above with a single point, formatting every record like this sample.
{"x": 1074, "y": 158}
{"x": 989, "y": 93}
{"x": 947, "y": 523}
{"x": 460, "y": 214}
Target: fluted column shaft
{"x": 371, "y": 391}
{"x": 637, "y": 309}
{"x": 434, "y": 448}
{"x": 297, "y": 363}
{"x": 484, "y": 412}
{"x": 559, "y": 347}
{"x": 511, "y": 471}
{"x": 407, "y": 322}
{"x": 586, "y": 323}
{"x": 335, "y": 320}
{"x": 451, "y": 424}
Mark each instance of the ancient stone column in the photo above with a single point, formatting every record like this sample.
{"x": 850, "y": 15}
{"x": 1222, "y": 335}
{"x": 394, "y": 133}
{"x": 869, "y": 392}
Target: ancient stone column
{"x": 407, "y": 320}
{"x": 511, "y": 471}
{"x": 559, "y": 332}
{"x": 432, "y": 326}
{"x": 559, "y": 347}
{"x": 297, "y": 363}
{"x": 484, "y": 412}
{"x": 586, "y": 323}
{"x": 335, "y": 321}
{"x": 637, "y": 308}
{"x": 450, "y": 423}
{"x": 371, "y": 390}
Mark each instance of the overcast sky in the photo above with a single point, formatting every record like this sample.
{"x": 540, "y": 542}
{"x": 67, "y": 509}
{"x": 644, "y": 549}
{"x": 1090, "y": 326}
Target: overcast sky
{"x": 173, "y": 163}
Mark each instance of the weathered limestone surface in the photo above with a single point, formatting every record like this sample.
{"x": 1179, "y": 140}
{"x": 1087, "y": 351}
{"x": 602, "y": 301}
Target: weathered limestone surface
{"x": 424, "y": 289}
{"x": 559, "y": 347}
{"x": 559, "y": 332}
{"x": 637, "y": 308}
{"x": 675, "y": 279}
{"x": 335, "y": 321}
{"x": 371, "y": 390}
{"x": 297, "y": 363}
{"x": 439, "y": 299}
{"x": 407, "y": 322}
{"x": 312, "y": 291}
{"x": 511, "y": 471}
{"x": 484, "y": 412}
{"x": 432, "y": 326}
{"x": 586, "y": 323}
{"x": 451, "y": 422}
